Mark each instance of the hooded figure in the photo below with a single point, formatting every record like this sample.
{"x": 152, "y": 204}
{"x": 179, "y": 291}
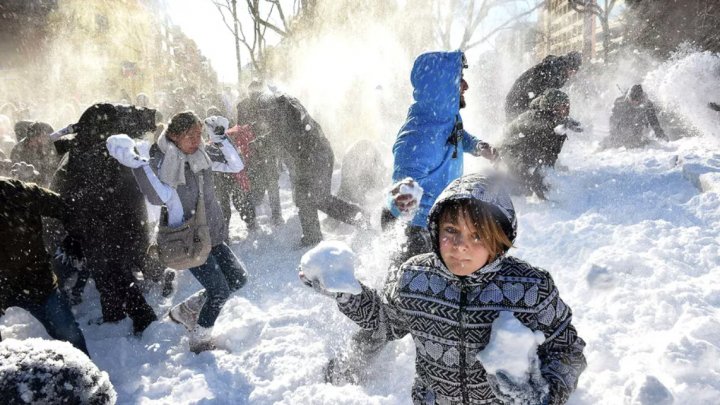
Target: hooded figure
{"x": 631, "y": 116}
{"x": 450, "y": 316}
{"x": 430, "y": 145}
{"x": 552, "y": 73}
{"x": 110, "y": 207}
{"x": 535, "y": 138}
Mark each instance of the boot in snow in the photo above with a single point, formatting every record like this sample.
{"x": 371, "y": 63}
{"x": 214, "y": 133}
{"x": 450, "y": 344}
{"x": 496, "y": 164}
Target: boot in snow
{"x": 186, "y": 313}
{"x": 201, "y": 339}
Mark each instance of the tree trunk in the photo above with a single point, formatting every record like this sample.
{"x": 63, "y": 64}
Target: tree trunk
{"x": 237, "y": 42}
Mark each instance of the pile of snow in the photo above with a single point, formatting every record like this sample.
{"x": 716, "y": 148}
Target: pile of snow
{"x": 685, "y": 84}
{"x": 512, "y": 348}
{"x": 332, "y": 263}
{"x": 37, "y": 371}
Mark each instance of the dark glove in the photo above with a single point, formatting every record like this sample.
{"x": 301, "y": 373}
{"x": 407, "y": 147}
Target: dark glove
{"x": 70, "y": 253}
{"x": 714, "y": 106}
{"x": 574, "y": 125}
{"x": 535, "y": 391}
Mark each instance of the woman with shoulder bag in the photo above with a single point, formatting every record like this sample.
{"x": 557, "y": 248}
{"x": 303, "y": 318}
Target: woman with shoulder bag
{"x": 177, "y": 174}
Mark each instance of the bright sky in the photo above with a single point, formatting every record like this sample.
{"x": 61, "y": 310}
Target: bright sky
{"x": 201, "y": 21}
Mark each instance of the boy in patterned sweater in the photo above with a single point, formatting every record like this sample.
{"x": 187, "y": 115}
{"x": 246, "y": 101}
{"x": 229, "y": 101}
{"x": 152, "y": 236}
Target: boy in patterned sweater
{"x": 447, "y": 301}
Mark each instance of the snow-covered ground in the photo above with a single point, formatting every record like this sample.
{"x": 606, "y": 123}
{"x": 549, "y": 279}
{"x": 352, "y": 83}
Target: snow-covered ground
{"x": 631, "y": 237}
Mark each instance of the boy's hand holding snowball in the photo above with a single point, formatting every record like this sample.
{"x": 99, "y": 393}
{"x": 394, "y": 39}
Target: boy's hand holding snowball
{"x": 329, "y": 268}
{"x": 511, "y": 362}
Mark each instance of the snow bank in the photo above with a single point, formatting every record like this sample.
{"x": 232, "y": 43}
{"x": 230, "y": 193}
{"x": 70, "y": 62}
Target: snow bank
{"x": 37, "y": 371}
{"x": 686, "y": 84}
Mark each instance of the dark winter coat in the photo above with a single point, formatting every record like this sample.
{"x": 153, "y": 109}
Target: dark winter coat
{"x": 109, "y": 209}
{"x": 629, "y": 124}
{"x": 305, "y": 150}
{"x": 25, "y": 272}
{"x": 552, "y": 72}
{"x": 450, "y": 317}
{"x": 531, "y": 140}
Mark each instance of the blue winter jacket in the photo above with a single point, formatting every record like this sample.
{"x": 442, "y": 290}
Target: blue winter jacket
{"x": 423, "y": 149}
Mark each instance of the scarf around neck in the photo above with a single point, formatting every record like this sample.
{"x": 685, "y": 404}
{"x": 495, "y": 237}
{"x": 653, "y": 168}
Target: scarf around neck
{"x": 172, "y": 169}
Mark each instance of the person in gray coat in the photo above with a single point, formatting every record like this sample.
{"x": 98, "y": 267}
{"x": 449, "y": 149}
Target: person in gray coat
{"x": 169, "y": 175}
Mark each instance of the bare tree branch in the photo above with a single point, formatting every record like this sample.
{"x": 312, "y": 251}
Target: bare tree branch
{"x": 503, "y": 26}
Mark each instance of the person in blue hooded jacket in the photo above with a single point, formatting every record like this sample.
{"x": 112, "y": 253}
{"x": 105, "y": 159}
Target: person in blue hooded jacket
{"x": 428, "y": 153}
{"x": 430, "y": 145}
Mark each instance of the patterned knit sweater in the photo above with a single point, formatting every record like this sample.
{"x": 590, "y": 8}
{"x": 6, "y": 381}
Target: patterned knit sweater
{"x": 450, "y": 319}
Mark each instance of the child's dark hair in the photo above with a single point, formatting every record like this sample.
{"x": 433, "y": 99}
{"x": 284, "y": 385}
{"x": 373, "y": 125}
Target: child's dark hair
{"x": 181, "y": 122}
{"x": 480, "y": 216}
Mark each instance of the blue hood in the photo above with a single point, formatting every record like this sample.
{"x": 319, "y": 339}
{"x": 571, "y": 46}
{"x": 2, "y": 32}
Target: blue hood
{"x": 422, "y": 150}
{"x": 436, "y": 82}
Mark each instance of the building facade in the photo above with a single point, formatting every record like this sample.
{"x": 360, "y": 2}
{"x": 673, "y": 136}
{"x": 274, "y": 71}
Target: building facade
{"x": 562, "y": 29}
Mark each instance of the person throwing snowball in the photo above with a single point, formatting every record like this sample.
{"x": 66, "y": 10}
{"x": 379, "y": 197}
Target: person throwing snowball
{"x": 448, "y": 299}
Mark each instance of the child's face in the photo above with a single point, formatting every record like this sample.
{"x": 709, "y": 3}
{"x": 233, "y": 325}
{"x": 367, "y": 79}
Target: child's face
{"x": 461, "y": 246}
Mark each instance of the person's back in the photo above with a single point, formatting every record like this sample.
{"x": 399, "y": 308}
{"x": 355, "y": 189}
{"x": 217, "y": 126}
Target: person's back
{"x": 552, "y": 72}
{"x": 23, "y": 250}
{"x": 535, "y": 138}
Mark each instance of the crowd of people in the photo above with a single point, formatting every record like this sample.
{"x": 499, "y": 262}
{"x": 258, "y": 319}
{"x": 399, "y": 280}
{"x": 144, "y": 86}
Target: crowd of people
{"x": 65, "y": 193}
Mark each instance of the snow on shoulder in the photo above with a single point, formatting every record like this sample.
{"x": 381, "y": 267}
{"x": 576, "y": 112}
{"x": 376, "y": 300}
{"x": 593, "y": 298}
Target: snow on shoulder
{"x": 332, "y": 263}
{"x": 512, "y": 348}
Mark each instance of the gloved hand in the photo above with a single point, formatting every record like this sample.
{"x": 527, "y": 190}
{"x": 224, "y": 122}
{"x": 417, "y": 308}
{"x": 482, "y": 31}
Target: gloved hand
{"x": 535, "y": 391}
{"x": 215, "y": 127}
{"x": 70, "y": 253}
{"x": 316, "y": 285}
{"x": 714, "y": 106}
{"x": 24, "y": 171}
{"x": 485, "y": 150}
{"x": 660, "y": 134}
{"x": 405, "y": 196}
{"x": 574, "y": 125}
{"x": 62, "y": 132}
{"x": 122, "y": 148}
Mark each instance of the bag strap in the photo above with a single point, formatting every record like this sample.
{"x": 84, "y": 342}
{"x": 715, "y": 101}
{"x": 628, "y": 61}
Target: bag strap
{"x": 200, "y": 209}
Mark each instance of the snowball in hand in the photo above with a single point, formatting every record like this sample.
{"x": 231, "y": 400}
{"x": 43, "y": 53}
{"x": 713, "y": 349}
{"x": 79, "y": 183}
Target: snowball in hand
{"x": 512, "y": 347}
{"x": 413, "y": 189}
{"x": 332, "y": 263}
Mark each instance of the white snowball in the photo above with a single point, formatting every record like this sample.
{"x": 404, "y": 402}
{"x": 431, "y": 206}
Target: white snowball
{"x": 512, "y": 347}
{"x": 333, "y": 264}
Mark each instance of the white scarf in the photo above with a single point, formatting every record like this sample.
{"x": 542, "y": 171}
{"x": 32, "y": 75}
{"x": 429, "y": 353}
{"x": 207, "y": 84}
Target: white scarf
{"x": 172, "y": 168}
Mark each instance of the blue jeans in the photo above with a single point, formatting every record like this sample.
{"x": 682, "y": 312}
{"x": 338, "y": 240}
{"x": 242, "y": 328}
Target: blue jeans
{"x": 57, "y": 318}
{"x": 221, "y": 274}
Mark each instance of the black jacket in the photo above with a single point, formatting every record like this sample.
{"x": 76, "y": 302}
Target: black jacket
{"x": 550, "y": 73}
{"x": 25, "y": 273}
{"x": 629, "y": 124}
